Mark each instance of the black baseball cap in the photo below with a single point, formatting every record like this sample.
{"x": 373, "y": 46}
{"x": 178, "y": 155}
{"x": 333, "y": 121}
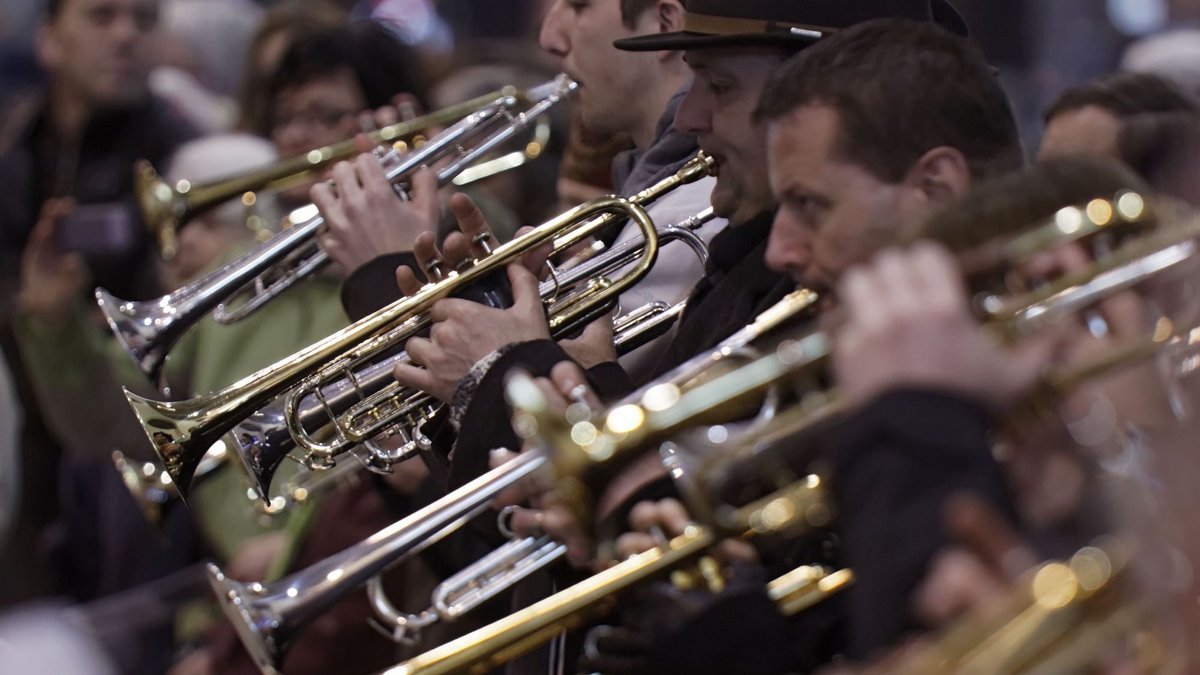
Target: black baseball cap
{"x": 735, "y": 23}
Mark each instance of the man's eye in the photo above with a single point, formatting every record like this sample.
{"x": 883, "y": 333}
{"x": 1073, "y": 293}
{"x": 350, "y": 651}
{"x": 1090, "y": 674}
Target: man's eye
{"x": 578, "y": 5}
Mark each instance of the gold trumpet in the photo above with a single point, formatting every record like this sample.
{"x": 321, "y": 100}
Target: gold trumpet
{"x": 165, "y": 207}
{"x": 385, "y": 405}
{"x": 182, "y": 431}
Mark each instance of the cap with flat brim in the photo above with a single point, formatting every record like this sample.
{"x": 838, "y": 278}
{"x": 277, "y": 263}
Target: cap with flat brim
{"x": 710, "y": 24}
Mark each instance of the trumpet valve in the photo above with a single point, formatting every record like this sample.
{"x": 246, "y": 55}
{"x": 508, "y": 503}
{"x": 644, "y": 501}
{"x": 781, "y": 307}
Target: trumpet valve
{"x": 706, "y": 574}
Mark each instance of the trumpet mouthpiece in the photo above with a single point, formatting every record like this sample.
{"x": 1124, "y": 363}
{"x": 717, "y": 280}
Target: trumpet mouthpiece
{"x": 559, "y": 86}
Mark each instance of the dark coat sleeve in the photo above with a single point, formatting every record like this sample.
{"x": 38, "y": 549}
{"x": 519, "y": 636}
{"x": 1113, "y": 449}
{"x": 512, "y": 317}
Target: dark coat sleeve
{"x": 487, "y": 424}
{"x": 372, "y": 286}
{"x": 895, "y": 464}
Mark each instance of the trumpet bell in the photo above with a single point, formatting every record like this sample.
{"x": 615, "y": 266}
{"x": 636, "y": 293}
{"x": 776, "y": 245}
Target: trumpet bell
{"x": 161, "y": 207}
{"x": 166, "y": 423}
{"x": 146, "y": 486}
{"x": 255, "y": 626}
{"x": 140, "y": 327}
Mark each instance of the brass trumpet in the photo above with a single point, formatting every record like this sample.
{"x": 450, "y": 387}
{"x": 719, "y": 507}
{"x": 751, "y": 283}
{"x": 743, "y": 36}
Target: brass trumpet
{"x": 361, "y": 405}
{"x": 181, "y": 431}
{"x": 148, "y": 329}
{"x": 165, "y": 207}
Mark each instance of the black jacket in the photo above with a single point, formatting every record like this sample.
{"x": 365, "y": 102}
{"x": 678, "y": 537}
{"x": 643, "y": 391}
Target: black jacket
{"x": 894, "y": 466}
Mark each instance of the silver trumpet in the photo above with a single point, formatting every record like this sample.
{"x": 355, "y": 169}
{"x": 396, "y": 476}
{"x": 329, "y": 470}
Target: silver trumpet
{"x": 268, "y": 616}
{"x": 148, "y": 329}
{"x": 326, "y": 420}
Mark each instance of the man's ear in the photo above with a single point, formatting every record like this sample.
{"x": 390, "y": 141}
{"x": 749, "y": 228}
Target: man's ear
{"x": 669, "y": 14}
{"x": 941, "y": 174}
{"x": 668, "y": 17}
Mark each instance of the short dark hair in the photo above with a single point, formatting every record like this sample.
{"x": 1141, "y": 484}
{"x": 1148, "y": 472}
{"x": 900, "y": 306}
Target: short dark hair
{"x": 382, "y": 65}
{"x": 1159, "y": 146}
{"x": 632, "y": 9}
{"x": 901, "y": 88}
{"x": 53, "y": 7}
{"x": 1124, "y": 95}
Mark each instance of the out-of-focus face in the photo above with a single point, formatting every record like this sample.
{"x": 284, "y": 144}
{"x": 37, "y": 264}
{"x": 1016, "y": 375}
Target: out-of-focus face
{"x": 718, "y": 111}
{"x": 100, "y": 49}
{"x": 317, "y": 113}
{"x": 612, "y": 82}
{"x": 202, "y": 243}
{"x": 1089, "y": 130}
{"x": 832, "y": 213}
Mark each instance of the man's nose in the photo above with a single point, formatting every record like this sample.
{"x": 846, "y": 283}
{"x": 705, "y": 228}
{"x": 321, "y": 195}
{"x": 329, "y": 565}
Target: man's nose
{"x": 553, "y": 35}
{"x": 692, "y": 117}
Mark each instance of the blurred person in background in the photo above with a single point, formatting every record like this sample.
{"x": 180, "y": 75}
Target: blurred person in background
{"x": 276, "y": 31}
{"x": 79, "y": 138}
{"x": 1086, "y": 119}
{"x": 326, "y": 78}
{"x": 74, "y": 143}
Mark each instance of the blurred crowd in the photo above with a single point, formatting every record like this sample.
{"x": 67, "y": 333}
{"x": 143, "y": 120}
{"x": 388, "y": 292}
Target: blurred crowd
{"x": 206, "y": 89}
